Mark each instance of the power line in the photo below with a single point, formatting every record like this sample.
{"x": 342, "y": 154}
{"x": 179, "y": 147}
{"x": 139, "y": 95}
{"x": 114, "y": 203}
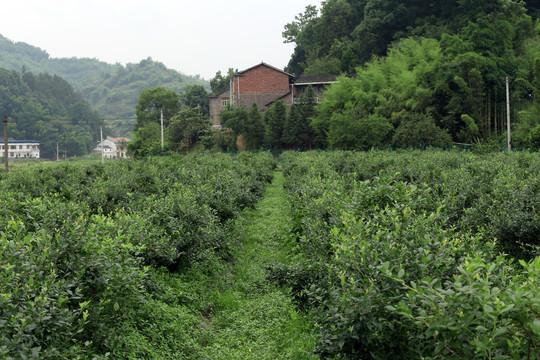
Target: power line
{"x": 90, "y": 119}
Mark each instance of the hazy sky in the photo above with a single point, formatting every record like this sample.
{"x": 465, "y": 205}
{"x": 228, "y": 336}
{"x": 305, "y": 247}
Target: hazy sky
{"x": 193, "y": 37}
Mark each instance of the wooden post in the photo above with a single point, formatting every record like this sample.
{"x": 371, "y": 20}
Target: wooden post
{"x": 101, "y": 138}
{"x": 509, "y": 138}
{"x": 162, "y": 143}
{"x": 6, "y": 146}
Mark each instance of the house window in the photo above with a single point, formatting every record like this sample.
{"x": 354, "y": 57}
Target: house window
{"x": 13, "y": 147}
{"x": 20, "y": 147}
{"x": 224, "y": 102}
{"x": 28, "y": 146}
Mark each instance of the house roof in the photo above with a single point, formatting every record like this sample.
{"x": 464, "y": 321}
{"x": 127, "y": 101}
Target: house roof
{"x": 118, "y": 139}
{"x": 278, "y": 98}
{"x": 219, "y": 93}
{"x": 316, "y": 79}
{"x": 23, "y": 142}
{"x": 263, "y": 64}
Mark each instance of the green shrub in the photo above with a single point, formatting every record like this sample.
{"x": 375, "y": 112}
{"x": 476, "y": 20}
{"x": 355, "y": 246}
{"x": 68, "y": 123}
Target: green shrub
{"x": 386, "y": 230}
{"x": 487, "y": 311}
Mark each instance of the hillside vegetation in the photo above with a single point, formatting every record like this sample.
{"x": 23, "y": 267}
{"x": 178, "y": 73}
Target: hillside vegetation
{"x": 46, "y": 108}
{"x": 421, "y": 73}
{"x": 112, "y": 89}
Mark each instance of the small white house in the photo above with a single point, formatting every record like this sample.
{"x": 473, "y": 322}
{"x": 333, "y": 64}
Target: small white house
{"x": 113, "y": 148}
{"x": 21, "y": 149}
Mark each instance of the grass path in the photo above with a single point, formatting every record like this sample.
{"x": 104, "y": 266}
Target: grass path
{"x": 255, "y": 319}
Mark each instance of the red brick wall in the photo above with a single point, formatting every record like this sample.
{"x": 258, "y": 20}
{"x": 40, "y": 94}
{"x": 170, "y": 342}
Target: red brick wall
{"x": 262, "y": 78}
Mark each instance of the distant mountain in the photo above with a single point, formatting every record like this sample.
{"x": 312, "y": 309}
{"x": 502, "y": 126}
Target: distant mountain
{"x": 112, "y": 89}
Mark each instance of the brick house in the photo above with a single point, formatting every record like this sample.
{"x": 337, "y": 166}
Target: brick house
{"x": 260, "y": 84}
{"x": 264, "y": 84}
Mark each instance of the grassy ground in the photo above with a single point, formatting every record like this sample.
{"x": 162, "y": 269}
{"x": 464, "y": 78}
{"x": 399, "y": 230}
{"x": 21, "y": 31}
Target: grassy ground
{"x": 254, "y": 319}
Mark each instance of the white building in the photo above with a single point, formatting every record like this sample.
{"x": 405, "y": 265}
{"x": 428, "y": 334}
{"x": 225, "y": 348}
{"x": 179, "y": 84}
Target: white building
{"x": 21, "y": 149}
{"x": 113, "y": 148}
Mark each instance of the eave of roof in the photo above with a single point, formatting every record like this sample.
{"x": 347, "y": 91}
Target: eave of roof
{"x": 278, "y": 98}
{"x": 219, "y": 93}
{"x": 315, "y": 83}
{"x": 23, "y": 141}
{"x": 264, "y": 64}
{"x": 317, "y": 79}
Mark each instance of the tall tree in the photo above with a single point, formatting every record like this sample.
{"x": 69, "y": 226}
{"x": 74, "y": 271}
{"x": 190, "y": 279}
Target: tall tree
{"x": 219, "y": 82}
{"x": 254, "y": 128}
{"x": 275, "y": 120}
{"x": 288, "y": 138}
{"x": 234, "y": 118}
{"x": 196, "y": 96}
{"x": 187, "y": 127}
{"x": 305, "y": 135}
{"x": 297, "y": 130}
{"x": 152, "y": 102}
{"x": 294, "y": 28}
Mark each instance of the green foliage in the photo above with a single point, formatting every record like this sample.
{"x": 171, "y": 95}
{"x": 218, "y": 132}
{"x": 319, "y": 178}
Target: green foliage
{"x": 254, "y": 128}
{"x": 196, "y": 96}
{"x": 87, "y": 253}
{"x": 446, "y": 60}
{"x": 46, "y": 108}
{"x": 405, "y": 253}
{"x": 246, "y": 123}
{"x": 187, "y": 127}
{"x": 349, "y": 132}
{"x": 297, "y": 130}
{"x": 534, "y": 137}
{"x": 234, "y": 118}
{"x": 219, "y": 82}
{"x": 369, "y": 27}
{"x": 147, "y": 141}
{"x": 274, "y": 119}
{"x": 386, "y": 92}
{"x": 485, "y": 311}
{"x": 221, "y": 140}
{"x": 419, "y": 130}
{"x": 152, "y": 103}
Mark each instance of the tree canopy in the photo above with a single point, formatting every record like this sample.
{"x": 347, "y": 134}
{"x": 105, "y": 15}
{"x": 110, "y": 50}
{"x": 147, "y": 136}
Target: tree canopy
{"x": 44, "y": 107}
{"x": 419, "y": 74}
{"x": 346, "y": 33}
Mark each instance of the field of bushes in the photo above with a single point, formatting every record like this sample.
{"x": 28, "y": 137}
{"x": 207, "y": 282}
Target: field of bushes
{"x": 386, "y": 255}
{"x": 417, "y": 255}
{"x": 91, "y": 256}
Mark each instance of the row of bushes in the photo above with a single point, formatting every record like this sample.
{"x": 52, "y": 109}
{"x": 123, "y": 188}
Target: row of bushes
{"x": 401, "y": 255}
{"x": 83, "y": 249}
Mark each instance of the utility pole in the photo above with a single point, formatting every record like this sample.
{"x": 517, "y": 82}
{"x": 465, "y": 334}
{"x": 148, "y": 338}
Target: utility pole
{"x": 101, "y": 138}
{"x": 509, "y": 138}
{"x": 162, "y": 130}
{"x": 231, "y": 91}
{"x": 57, "y": 155}
{"x": 6, "y": 151}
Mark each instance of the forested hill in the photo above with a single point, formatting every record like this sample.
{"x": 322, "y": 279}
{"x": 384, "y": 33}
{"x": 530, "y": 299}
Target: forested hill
{"x": 347, "y": 33}
{"x": 46, "y": 108}
{"x": 427, "y": 72}
{"x": 113, "y": 89}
